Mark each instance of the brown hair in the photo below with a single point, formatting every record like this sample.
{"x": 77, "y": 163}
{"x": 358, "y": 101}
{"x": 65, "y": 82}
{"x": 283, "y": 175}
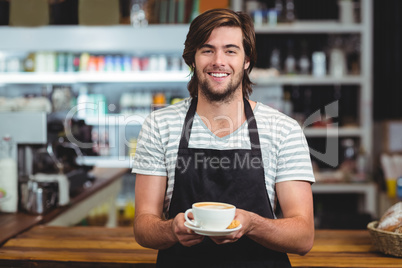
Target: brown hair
{"x": 200, "y": 30}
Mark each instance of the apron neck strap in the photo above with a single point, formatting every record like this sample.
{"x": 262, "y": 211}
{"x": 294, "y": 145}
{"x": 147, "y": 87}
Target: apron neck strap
{"x": 188, "y": 124}
{"x": 252, "y": 126}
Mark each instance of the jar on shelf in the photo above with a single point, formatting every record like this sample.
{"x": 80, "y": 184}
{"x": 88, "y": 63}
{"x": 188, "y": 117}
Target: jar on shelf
{"x": 348, "y": 158}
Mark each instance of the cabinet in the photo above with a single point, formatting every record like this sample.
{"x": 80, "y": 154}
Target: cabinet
{"x": 360, "y": 80}
{"x": 169, "y": 40}
{"x": 154, "y": 39}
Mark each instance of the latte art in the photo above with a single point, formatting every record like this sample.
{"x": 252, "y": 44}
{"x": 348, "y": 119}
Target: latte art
{"x": 213, "y": 206}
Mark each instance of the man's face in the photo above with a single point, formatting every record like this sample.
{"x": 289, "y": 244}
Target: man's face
{"x": 220, "y": 64}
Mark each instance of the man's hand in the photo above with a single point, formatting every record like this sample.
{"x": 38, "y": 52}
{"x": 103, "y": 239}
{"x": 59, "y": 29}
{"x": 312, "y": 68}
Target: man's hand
{"x": 244, "y": 218}
{"x": 185, "y": 236}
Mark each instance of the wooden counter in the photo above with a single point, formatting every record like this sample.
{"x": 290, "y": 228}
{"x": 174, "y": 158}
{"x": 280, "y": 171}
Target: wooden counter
{"x": 12, "y": 224}
{"x": 48, "y": 246}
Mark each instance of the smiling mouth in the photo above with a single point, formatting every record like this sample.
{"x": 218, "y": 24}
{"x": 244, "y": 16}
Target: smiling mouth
{"x": 219, "y": 75}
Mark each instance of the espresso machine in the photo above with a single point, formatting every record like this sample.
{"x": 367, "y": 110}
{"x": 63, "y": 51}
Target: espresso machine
{"x": 49, "y": 170}
{"x": 28, "y": 131}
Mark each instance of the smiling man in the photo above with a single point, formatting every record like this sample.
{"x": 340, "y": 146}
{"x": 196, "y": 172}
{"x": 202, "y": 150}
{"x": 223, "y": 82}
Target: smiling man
{"x": 219, "y": 81}
{"x": 220, "y": 146}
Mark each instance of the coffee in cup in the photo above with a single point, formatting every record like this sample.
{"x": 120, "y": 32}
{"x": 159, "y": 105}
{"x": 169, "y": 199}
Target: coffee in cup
{"x": 211, "y": 215}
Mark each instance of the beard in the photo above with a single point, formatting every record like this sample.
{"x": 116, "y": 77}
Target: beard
{"x": 222, "y": 96}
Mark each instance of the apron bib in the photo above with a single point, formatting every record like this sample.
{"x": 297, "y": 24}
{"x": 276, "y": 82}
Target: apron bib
{"x": 239, "y": 180}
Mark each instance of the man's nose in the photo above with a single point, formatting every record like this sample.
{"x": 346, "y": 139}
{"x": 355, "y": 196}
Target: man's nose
{"x": 219, "y": 58}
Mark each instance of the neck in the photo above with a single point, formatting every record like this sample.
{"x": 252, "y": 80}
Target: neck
{"x": 222, "y": 118}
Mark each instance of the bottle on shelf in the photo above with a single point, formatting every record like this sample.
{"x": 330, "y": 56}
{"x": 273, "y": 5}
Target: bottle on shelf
{"x": 137, "y": 15}
{"x": 127, "y": 63}
{"x": 8, "y": 177}
{"x": 50, "y": 62}
{"x": 70, "y": 62}
{"x": 275, "y": 60}
{"x": 82, "y": 102}
{"x": 279, "y": 10}
{"x": 61, "y": 62}
{"x": 258, "y": 17}
{"x": 319, "y": 64}
{"x": 304, "y": 61}
{"x": 109, "y": 63}
{"x": 290, "y": 11}
{"x": 195, "y": 10}
{"x": 337, "y": 59}
{"x": 29, "y": 63}
{"x": 117, "y": 63}
{"x": 92, "y": 62}
{"x": 290, "y": 61}
{"x": 132, "y": 147}
{"x": 159, "y": 101}
{"x": 84, "y": 60}
{"x": 137, "y": 102}
{"x": 272, "y": 17}
{"x": 126, "y": 103}
{"x": 346, "y": 11}
{"x": 348, "y": 158}
{"x": 361, "y": 166}
{"x": 399, "y": 187}
{"x": 287, "y": 104}
{"x": 76, "y": 63}
{"x": 146, "y": 102}
{"x": 40, "y": 61}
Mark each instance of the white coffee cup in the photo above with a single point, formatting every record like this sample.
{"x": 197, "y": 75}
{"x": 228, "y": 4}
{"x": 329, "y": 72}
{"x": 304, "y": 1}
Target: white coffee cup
{"x": 211, "y": 215}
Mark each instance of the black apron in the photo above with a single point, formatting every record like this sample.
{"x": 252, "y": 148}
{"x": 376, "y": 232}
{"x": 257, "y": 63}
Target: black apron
{"x": 239, "y": 180}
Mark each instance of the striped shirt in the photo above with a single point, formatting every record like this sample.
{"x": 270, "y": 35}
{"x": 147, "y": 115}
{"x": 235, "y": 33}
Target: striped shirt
{"x": 284, "y": 147}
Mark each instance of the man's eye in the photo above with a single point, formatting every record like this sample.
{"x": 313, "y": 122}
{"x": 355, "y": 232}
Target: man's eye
{"x": 207, "y": 51}
{"x": 231, "y": 52}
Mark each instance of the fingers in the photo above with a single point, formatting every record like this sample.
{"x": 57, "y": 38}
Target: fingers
{"x": 191, "y": 239}
{"x": 185, "y": 236}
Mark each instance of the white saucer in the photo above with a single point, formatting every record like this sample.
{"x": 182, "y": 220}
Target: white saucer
{"x": 201, "y": 231}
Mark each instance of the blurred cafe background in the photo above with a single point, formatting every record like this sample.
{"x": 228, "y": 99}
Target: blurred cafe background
{"x": 78, "y": 78}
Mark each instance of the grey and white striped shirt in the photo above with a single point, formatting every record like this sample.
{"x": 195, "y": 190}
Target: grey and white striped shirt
{"x": 284, "y": 148}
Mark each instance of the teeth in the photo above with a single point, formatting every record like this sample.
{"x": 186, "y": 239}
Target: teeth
{"x": 219, "y": 74}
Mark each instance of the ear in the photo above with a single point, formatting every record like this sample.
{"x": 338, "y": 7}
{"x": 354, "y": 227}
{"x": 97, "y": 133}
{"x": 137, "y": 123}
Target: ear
{"x": 246, "y": 63}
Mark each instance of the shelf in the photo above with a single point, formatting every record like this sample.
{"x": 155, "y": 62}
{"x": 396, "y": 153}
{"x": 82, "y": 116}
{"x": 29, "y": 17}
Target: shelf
{"x": 302, "y": 27}
{"x": 262, "y": 80}
{"x": 116, "y": 120}
{"x": 322, "y": 187}
{"x": 72, "y": 78}
{"x": 163, "y": 77}
{"x": 332, "y": 132}
{"x": 106, "y": 161}
{"x": 138, "y": 120}
{"x": 368, "y": 190}
{"x": 120, "y": 38}
{"x": 148, "y": 39}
